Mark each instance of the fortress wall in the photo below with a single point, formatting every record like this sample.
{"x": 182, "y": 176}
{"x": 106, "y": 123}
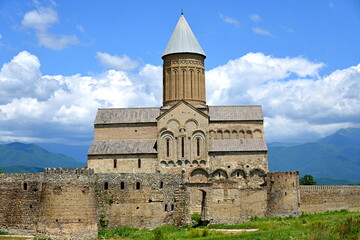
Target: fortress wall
{"x": 228, "y": 205}
{"x": 316, "y": 199}
{"x": 159, "y": 200}
{"x": 283, "y": 196}
{"x": 67, "y": 205}
{"x": 125, "y": 131}
{"x": 19, "y": 201}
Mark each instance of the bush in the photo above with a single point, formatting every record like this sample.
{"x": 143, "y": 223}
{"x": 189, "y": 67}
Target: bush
{"x": 196, "y": 218}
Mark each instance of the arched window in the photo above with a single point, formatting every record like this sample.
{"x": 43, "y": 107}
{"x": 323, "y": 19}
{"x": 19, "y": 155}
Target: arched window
{"x": 166, "y": 208}
{"x": 115, "y": 163}
{"x": 106, "y": 186}
{"x": 168, "y": 147}
{"x": 182, "y": 147}
{"x": 122, "y": 185}
{"x": 184, "y": 83}
{"x": 25, "y": 186}
{"x": 138, "y": 186}
{"x": 139, "y": 163}
{"x": 198, "y": 147}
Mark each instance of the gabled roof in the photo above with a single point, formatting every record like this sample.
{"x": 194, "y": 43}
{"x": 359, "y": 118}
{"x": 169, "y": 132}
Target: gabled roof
{"x": 235, "y": 113}
{"x": 126, "y": 115}
{"x": 123, "y": 146}
{"x": 237, "y": 145}
{"x": 183, "y": 40}
{"x": 187, "y": 104}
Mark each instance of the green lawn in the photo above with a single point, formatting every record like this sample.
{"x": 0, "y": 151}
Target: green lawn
{"x": 324, "y": 226}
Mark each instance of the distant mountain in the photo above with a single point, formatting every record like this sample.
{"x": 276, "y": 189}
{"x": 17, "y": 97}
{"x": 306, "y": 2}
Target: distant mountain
{"x": 336, "y": 156}
{"x": 20, "y": 157}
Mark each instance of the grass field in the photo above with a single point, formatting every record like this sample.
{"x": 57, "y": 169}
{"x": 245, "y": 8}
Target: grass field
{"x": 324, "y": 226}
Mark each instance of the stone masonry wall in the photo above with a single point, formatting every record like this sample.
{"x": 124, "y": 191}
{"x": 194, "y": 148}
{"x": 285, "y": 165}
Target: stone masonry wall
{"x": 283, "y": 194}
{"x": 140, "y": 200}
{"x": 19, "y": 201}
{"x": 316, "y": 199}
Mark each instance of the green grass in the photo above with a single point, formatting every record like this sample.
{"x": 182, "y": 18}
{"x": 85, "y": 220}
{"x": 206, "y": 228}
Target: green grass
{"x": 324, "y": 226}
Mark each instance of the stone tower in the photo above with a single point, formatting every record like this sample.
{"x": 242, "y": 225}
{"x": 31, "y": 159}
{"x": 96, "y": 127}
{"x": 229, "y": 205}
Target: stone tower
{"x": 183, "y": 67}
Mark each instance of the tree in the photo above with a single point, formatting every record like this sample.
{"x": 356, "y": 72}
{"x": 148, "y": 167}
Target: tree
{"x": 307, "y": 180}
{"x": 1, "y": 171}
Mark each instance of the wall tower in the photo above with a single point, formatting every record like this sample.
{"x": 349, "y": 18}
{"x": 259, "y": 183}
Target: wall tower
{"x": 183, "y": 67}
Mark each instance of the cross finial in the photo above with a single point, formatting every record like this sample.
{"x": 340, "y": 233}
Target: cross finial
{"x": 182, "y": 12}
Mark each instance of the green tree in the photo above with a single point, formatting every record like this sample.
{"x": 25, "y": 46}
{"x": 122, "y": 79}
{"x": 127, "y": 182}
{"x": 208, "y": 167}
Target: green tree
{"x": 307, "y": 180}
{"x": 1, "y": 171}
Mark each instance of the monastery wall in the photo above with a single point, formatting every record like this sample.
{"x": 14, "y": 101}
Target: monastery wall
{"x": 125, "y": 131}
{"x": 236, "y": 130}
{"x": 283, "y": 196}
{"x": 19, "y": 201}
{"x": 140, "y": 200}
{"x": 316, "y": 199}
{"x": 141, "y": 163}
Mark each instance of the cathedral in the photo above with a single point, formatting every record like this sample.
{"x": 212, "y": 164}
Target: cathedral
{"x": 149, "y": 167}
{"x": 185, "y": 135}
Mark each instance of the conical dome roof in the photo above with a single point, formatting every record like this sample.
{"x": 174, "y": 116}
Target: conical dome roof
{"x": 183, "y": 40}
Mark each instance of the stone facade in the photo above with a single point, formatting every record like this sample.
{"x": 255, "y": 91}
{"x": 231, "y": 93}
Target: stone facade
{"x": 153, "y": 166}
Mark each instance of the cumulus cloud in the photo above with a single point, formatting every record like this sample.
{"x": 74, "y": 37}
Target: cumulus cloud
{"x": 262, "y": 31}
{"x": 60, "y": 108}
{"x": 229, "y": 20}
{"x": 255, "y": 18}
{"x": 116, "y": 62}
{"x": 41, "y": 20}
{"x": 298, "y": 103}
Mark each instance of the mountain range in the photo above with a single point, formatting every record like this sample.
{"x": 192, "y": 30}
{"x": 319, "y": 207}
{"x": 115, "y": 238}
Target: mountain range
{"x": 336, "y": 156}
{"x": 21, "y": 158}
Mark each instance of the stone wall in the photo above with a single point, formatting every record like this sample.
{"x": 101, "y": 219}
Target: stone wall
{"x": 283, "y": 194}
{"x": 140, "y": 200}
{"x": 316, "y": 199}
{"x": 20, "y": 201}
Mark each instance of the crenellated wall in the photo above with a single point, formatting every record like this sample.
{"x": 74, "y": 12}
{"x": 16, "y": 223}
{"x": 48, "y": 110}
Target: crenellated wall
{"x": 315, "y": 199}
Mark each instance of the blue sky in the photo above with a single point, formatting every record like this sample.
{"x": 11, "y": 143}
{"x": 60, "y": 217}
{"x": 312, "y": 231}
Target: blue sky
{"x": 61, "y": 60}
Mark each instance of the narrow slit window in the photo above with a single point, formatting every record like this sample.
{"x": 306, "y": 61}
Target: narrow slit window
{"x": 115, "y": 163}
{"x": 238, "y": 174}
{"x": 25, "y": 186}
{"x": 198, "y": 147}
{"x": 167, "y": 147}
{"x": 138, "y": 185}
{"x": 122, "y": 185}
{"x": 172, "y": 207}
{"x": 182, "y": 147}
{"x": 166, "y": 208}
{"x": 161, "y": 184}
{"x": 106, "y": 186}
{"x": 139, "y": 163}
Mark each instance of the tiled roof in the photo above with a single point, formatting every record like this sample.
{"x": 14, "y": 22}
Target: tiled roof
{"x": 235, "y": 113}
{"x": 127, "y": 115}
{"x": 124, "y": 146}
{"x": 237, "y": 145}
{"x": 183, "y": 40}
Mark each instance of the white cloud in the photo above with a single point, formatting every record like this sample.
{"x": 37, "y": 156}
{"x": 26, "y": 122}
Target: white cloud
{"x": 229, "y": 20}
{"x": 117, "y": 62}
{"x": 287, "y": 29}
{"x": 41, "y": 20}
{"x": 60, "y": 108}
{"x": 297, "y": 102}
{"x": 255, "y": 18}
{"x": 262, "y": 31}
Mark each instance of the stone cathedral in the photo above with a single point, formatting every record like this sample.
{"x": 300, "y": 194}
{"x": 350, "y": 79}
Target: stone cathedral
{"x": 185, "y": 135}
{"x": 153, "y": 166}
